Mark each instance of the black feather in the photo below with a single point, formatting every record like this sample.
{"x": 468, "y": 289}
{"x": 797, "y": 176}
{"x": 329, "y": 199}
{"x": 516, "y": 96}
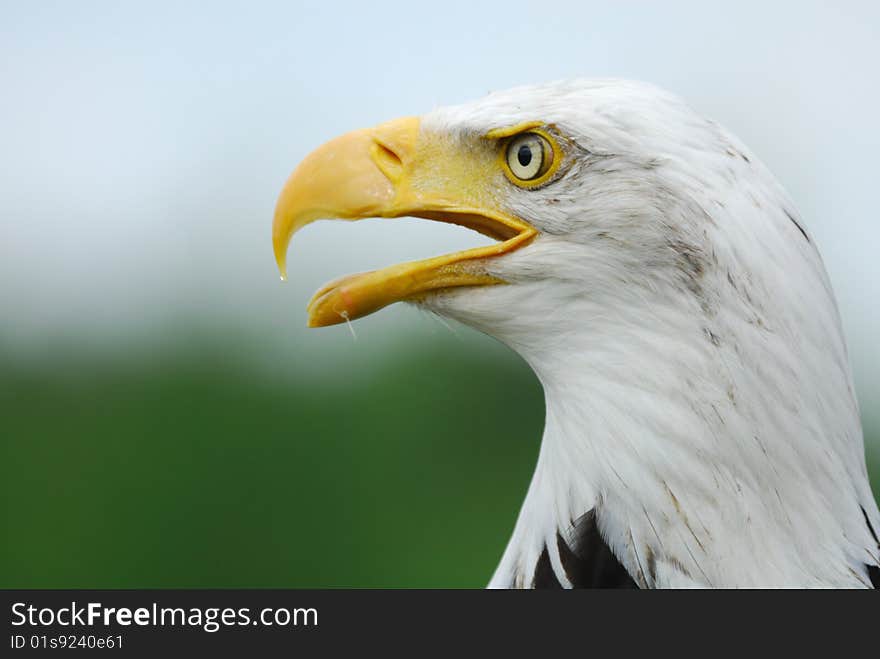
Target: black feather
{"x": 873, "y": 570}
{"x": 545, "y": 577}
{"x": 587, "y": 560}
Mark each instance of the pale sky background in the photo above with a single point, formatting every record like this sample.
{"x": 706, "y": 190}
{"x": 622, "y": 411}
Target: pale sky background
{"x": 142, "y": 145}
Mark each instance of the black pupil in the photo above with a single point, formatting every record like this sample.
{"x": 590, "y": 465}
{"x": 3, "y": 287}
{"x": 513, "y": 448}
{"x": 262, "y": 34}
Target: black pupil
{"x": 524, "y": 155}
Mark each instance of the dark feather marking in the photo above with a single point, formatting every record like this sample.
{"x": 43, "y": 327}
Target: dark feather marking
{"x": 640, "y": 577}
{"x": 713, "y": 338}
{"x": 678, "y": 565}
{"x": 857, "y": 575}
{"x": 873, "y": 570}
{"x": 652, "y": 564}
{"x": 589, "y": 562}
{"x": 874, "y": 576}
{"x": 545, "y": 577}
{"x": 796, "y": 223}
{"x": 680, "y": 512}
{"x": 870, "y": 528}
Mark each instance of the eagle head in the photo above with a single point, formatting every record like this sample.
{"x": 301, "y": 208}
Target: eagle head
{"x": 701, "y": 422}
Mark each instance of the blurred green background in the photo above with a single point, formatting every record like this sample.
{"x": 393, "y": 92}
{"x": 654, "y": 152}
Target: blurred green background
{"x": 166, "y": 419}
{"x": 185, "y": 468}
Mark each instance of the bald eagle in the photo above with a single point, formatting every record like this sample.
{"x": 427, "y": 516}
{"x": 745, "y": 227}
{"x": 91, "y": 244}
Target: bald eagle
{"x": 701, "y": 425}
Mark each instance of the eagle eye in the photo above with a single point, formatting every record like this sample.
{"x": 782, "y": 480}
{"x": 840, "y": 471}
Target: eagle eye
{"x": 529, "y": 158}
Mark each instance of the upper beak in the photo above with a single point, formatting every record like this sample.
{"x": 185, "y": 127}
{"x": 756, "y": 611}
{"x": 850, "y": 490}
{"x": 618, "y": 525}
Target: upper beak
{"x": 393, "y": 170}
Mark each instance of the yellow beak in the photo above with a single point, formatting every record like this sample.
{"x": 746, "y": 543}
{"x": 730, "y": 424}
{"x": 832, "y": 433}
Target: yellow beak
{"x": 392, "y": 170}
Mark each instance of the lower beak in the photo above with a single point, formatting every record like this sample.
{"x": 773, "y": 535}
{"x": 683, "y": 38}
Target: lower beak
{"x": 392, "y": 170}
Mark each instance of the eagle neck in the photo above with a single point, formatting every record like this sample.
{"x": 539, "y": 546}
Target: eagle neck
{"x": 582, "y": 463}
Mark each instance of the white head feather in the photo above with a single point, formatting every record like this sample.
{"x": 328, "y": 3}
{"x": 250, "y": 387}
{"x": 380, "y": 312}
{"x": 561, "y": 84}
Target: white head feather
{"x": 698, "y": 392}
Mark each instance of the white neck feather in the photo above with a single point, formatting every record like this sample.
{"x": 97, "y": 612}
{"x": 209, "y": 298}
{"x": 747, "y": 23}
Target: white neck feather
{"x": 698, "y": 391}
{"x": 711, "y": 451}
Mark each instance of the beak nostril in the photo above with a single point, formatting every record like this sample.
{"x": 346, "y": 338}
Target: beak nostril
{"x": 387, "y": 161}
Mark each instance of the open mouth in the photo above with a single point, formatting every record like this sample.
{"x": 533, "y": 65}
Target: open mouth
{"x": 378, "y": 173}
{"x": 357, "y": 295}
